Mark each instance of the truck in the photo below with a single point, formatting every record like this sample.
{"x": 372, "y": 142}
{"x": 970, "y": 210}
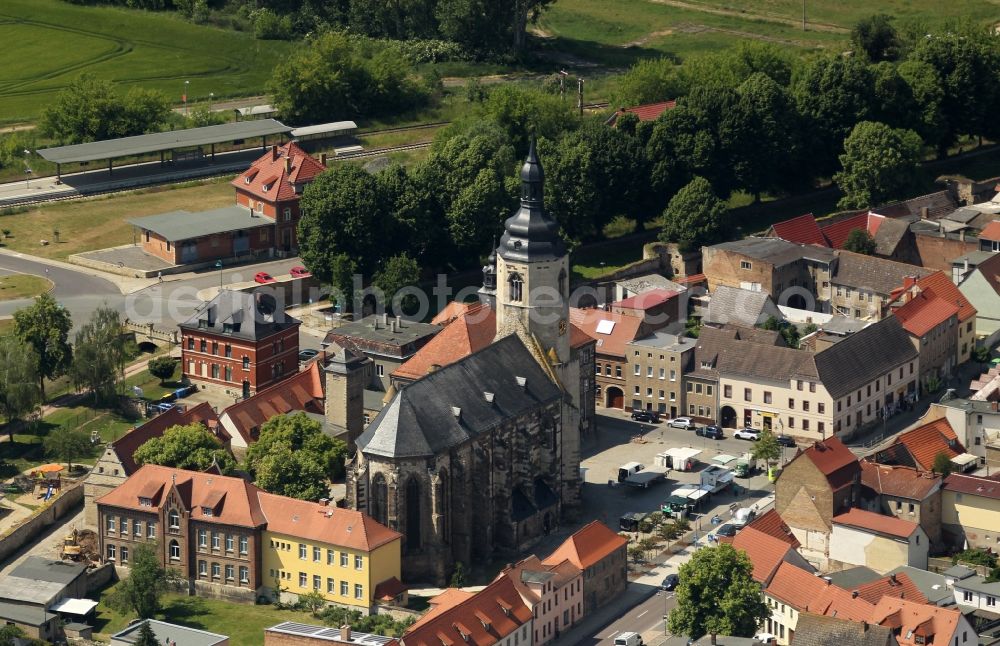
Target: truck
{"x": 636, "y": 474}
{"x": 715, "y": 478}
{"x": 745, "y": 467}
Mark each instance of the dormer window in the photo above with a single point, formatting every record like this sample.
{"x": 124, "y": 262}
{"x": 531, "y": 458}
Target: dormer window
{"x": 247, "y": 179}
{"x": 206, "y": 511}
{"x": 267, "y": 187}
{"x": 145, "y": 502}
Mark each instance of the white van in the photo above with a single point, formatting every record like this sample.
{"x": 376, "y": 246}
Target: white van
{"x": 628, "y": 639}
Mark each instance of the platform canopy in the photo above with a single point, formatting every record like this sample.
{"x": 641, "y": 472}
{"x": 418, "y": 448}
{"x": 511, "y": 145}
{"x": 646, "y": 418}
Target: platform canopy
{"x": 161, "y": 141}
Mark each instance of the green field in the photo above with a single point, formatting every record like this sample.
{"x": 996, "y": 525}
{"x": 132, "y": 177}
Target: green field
{"x": 51, "y": 42}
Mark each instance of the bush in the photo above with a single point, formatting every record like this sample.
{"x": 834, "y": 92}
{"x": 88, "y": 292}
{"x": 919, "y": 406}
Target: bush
{"x": 268, "y": 25}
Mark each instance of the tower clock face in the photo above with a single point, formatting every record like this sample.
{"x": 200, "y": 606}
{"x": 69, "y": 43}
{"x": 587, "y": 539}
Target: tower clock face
{"x": 562, "y": 326}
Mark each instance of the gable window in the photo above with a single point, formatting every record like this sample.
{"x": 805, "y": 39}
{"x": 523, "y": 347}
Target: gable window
{"x": 174, "y": 519}
{"x": 288, "y": 214}
{"x": 745, "y": 264}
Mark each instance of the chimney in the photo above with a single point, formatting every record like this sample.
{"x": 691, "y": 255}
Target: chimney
{"x": 864, "y": 626}
{"x": 274, "y": 153}
{"x": 924, "y": 212}
{"x": 892, "y": 578}
{"x": 399, "y": 322}
{"x": 322, "y": 158}
{"x": 324, "y": 501}
{"x": 909, "y": 281}
{"x": 345, "y": 633}
{"x": 385, "y": 320}
{"x": 712, "y": 638}
{"x": 854, "y": 594}
{"x": 288, "y": 164}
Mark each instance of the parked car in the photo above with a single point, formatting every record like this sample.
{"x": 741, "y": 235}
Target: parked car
{"x": 682, "y": 422}
{"x": 646, "y": 416}
{"x": 711, "y": 432}
{"x": 307, "y": 354}
{"x": 670, "y": 582}
{"x": 299, "y": 272}
{"x": 747, "y": 434}
{"x": 727, "y": 530}
{"x": 263, "y": 278}
{"x": 786, "y": 440}
{"x": 628, "y": 639}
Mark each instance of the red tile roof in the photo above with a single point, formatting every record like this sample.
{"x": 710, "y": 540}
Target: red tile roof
{"x": 470, "y": 332}
{"x": 237, "y": 499}
{"x": 771, "y": 524}
{"x": 647, "y": 112}
{"x": 646, "y": 300}
{"x": 587, "y": 546}
{"x": 925, "y": 442}
{"x": 986, "y": 487}
{"x": 323, "y": 523}
{"x": 834, "y": 460}
{"x": 796, "y": 587}
{"x": 126, "y": 446}
{"x": 899, "y": 481}
{"x": 691, "y": 280}
{"x": 270, "y": 169}
{"x": 802, "y": 229}
{"x": 940, "y": 285}
{"x": 894, "y": 585}
{"x": 482, "y": 619}
{"x": 626, "y": 328}
{"x": 766, "y": 552}
{"x": 925, "y": 312}
{"x": 877, "y": 523}
{"x": 837, "y": 232}
{"x": 452, "y": 311}
{"x": 389, "y": 589}
{"x": 909, "y": 620}
{"x": 303, "y": 392}
{"x": 443, "y": 602}
{"x": 991, "y": 231}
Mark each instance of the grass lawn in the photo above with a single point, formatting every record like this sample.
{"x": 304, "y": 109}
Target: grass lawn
{"x": 85, "y": 225}
{"x": 58, "y": 41}
{"x": 6, "y": 326}
{"x": 152, "y": 389}
{"x": 242, "y": 623}
{"x": 14, "y": 286}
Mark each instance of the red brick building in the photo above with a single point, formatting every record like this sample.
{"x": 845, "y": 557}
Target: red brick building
{"x": 262, "y": 222}
{"x": 240, "y": 340}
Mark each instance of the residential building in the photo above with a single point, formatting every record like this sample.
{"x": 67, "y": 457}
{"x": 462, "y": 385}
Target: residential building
{"x": 989, "y": 237}
{"x": 206, "y": 526}
{"x": 919, "y": 447}
{"x": 168, "y": 633}
{"x": 302, "y": 392}
{"x": 931, "y": 322}
{"x": 919, "y": 623}
{"x": 117, "y": 463}
{"x": 611, "y": 331}
{"x": 636, "y": 285}
{"x": 819, "y": 483}
{"x": 741, "y": 307}
{"x": 388, "y": 342}
{"x": 982, "y": 288}
{"x": 657, "y": 308}
{"x": 976, "y": 422}
{"x": 933, "y": 586}
{"x": 975, "y": 591}
{"x": 655, "y": 373}
{"x": 262, "y": 222}
{"x": 970, "y": 511}
{"x": 771, "y": 523}
{"x": 767, "y": 553}
{"x": 862, "y": 287}
{"x": 496, "y": 615}
{"x": 963, "y": 266}
{"x": 861, "y": 537}
{"x": 241, "y": 341}
{"x": 817, "y": 630}
{"x": 553, "y": 592}
{"x": 793, "y": 591}
{"x": 342, "y": 554}
{"x": 293, "y": 633}
{"x": 599, "y": 553}
{"x": 903, "y": 492}
{"x": 834, "y": 231}
{"x": 937, "y": 287}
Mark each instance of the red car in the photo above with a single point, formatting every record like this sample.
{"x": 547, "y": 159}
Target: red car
{"x": 263, "y": 278}
{"x": 299, "y": 272}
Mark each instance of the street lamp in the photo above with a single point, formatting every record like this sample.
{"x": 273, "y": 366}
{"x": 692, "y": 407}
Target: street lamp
{"x": 184, "y": 97}
{"x": 27, "y": 169}
{"x": 218, "y": 265}
{"x": 211, "y": 100}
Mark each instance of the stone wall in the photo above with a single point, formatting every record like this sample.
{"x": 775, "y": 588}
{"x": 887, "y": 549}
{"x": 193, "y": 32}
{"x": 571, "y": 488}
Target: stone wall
{"x": 70, "y": 499}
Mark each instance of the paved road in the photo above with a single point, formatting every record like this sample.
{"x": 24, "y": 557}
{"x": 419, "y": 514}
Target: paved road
{"x": 642, "y": 618}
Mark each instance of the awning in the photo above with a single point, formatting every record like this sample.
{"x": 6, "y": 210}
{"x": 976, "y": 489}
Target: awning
{"x": 698, "y": 495}
{"x": 74, "y": 606}
{"x": 682, "y": 453}
{"x": 724, "y": 459}
{"x": 964, "y": 459}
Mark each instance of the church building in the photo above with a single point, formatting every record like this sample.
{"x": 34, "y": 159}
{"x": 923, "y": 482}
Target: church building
{"x": 482, "y": 456}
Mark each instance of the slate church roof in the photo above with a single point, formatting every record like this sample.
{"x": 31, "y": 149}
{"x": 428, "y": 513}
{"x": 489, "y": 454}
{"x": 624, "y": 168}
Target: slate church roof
{"x": 459, "y": 402}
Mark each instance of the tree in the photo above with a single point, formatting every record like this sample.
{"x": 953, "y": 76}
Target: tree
{"x": 89, "y": 109}
{"x": 11, "y": 635}
{"x": 981, "y": 354}
{"x": 313, "y": 601}
{"x": 650, "y": 80}
{"x": 879, "y": 163}
{"x": 876, "y": 38}
{"x": 399, "y": 272}
{"x": 523, "y": 111}
{"x": 457, "y": 576}
{"x": 860, "y": 241}
{"x": 766, "y": 448}
{"x": 45, "y": 324}
{"x": 146, "y": 636}
{"x": 927, "y": 89}
{"x": 161, "y": 367}
{"x": 694, "y": 217}
{"x": 717, "y": 595}
{"x": 99, "y": 355}
{"x": 942, "y": 465}
{"x": 293, "y": 457}
{"x": 191, "y": 447}
{"x": 67, "y": 443}
{"x": 147, "y": 581}
{"x": 19, "y": 391}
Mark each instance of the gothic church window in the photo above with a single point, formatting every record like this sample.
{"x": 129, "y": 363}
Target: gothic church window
{"x": 412, "y": 514}
{"x": 379, "y": 497}
{"x": 516, "y": 284}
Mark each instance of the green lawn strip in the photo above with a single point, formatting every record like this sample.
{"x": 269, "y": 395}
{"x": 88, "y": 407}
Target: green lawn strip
{"x": 15, "y": 286}
{"x": 243, "y": 624}
{"x": 152, "y": 389}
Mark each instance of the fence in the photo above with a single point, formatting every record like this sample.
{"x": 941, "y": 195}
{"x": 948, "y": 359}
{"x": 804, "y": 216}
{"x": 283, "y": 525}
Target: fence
{"x": 44, "y": 516}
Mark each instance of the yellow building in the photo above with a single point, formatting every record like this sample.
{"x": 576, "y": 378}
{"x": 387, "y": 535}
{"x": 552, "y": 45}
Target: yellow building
{"x": 970, "y": 511}
{"x": 347, "y": 556}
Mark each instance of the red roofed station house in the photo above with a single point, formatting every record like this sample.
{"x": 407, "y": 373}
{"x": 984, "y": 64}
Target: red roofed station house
{"x": 262, "y": 222}
{"x": 242, "y": 341}
{"x": 878, "y": 542}
{"x": 600, "y": 554}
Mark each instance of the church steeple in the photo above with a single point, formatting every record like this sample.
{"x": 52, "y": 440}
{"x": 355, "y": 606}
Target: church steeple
{"x": 530, "y": 235}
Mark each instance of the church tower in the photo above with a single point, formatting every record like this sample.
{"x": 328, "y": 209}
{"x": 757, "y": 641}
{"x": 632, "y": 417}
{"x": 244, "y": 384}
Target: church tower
{"x": 532, "y": 271}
